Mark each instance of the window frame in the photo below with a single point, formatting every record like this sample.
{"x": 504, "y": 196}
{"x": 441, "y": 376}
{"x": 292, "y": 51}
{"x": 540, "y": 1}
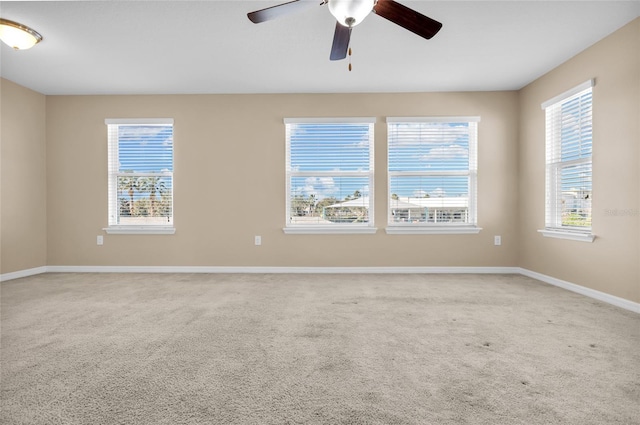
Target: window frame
{"x": 554, "y": 165}
{"x": 470, "y": 227}
{"x": 333, "y": 228}
{"x": 113, "y": 173}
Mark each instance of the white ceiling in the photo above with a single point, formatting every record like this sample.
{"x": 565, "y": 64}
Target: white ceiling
{"x": 153, "y": 47}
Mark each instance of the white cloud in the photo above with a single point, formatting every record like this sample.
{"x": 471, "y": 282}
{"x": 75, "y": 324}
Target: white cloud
{"x": 320, "y": 187}
{"x": 435, "y": 132}
{"x": 438, "y": 193}
{"x": 446, "y": 152}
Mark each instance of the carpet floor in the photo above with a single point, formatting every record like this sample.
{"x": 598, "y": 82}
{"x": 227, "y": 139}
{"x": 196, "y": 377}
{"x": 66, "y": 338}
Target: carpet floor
{"x": 263, "y": 349}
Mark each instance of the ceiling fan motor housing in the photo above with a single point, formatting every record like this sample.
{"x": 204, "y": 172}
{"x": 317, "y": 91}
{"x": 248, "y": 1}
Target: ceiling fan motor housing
{"x": 350, "y": 12}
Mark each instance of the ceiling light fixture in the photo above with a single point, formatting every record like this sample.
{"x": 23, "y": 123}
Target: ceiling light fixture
{"x": 350, "y": 12}
{"x": 18, "y": 36}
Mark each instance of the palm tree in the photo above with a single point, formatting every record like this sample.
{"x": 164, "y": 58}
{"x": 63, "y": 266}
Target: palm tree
{"x": 155, "y": 186}
{"x": 128, "y": 185}
{"x": 312, "y": 204}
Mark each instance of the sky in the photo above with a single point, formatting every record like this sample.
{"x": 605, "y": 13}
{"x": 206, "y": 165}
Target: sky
{"x": 430, "y": 148}
{"x": 577, "y": 142}
{"x": 335, "y": 160}
{"x": 146, "y": 149}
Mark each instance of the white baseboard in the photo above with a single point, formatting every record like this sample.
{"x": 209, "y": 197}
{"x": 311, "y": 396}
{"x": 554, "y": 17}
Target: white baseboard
{"x": 288, "y": 270}
{"x": 592, "y": 293}
{"x": 23, "y": 273}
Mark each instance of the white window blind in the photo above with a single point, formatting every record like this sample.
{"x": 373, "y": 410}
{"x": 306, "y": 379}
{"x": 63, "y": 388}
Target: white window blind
{"x": 140, "y": 164}
{"x": 568, "y": 160}
{"x": 329, "y": 172}
{"x": 432, "y": 171}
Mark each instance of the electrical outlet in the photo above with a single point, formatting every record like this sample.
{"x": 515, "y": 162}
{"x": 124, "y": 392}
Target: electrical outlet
{"x": 497, "y": 240}
{"x": 100, "y": 240}
{"x": 258, "y": 240}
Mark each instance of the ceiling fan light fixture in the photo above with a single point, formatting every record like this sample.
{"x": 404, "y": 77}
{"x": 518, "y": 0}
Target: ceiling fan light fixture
{"x": 350, "y": 12}
{"x": 18, "y": 36}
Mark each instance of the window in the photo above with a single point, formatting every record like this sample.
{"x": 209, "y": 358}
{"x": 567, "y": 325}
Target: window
{"x": 568, "y": 164}
{"x": 329, "y": 172}
{"x": 432, "y": 175}
{"x": 140, "y": 163}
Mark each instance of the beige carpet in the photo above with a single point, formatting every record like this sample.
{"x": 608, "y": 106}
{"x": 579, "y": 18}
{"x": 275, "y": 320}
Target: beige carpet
{"x": 313, "y": 349}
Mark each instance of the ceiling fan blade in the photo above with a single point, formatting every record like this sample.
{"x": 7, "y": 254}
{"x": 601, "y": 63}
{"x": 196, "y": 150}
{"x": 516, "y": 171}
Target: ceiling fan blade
{"x": 341, "y": 38}
{"x": 407, "y": 18}
{"x": 279, "y": 10}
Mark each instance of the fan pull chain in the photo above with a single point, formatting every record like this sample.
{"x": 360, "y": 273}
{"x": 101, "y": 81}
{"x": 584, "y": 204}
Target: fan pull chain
{"x": 349, "y": 59}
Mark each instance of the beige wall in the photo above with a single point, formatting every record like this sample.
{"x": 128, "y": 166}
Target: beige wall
{"x": 229, "y": 179}
{"x": 23, "y": 211}
{"x": 230, "y": 182}
{"x": 611, "y": 263}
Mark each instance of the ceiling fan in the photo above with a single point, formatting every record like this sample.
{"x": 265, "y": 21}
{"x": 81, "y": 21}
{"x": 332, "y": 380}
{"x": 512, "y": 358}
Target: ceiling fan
{"x": 350, "y": 13}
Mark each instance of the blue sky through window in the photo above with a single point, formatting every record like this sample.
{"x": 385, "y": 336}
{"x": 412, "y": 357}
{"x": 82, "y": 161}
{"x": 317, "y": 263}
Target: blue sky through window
{"x": 323, "y": 151}
{"x": 145, "y": 148}
{"x": 576, "y": 143}
{"x": 433, "y": 149}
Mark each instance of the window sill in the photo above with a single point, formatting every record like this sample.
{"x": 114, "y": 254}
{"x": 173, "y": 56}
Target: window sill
{"x": 140, "y": 230}
{"x": 329, "y": 230}
{"x": 432, "y": 230}
{"x": 564, "y": 234}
